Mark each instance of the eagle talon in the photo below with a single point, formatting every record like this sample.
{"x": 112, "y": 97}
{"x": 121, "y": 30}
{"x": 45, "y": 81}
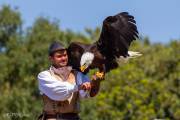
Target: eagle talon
{"x": 100, "y": 75}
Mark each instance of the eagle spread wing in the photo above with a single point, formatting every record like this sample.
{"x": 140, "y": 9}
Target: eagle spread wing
{"x": 116, "y": 36}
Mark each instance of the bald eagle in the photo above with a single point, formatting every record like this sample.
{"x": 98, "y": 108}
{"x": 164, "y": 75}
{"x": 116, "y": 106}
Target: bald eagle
{"x": 117, "y": 33}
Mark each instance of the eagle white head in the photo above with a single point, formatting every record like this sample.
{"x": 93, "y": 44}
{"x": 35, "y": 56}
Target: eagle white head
{"x": 86, "y": 60}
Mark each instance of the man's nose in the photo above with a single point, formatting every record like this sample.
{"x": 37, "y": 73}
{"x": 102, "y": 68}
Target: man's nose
{"x": 64, "y": 57}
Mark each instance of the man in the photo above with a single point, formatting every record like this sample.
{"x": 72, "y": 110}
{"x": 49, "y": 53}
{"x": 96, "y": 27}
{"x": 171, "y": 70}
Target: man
{"x": 62, "y": 87}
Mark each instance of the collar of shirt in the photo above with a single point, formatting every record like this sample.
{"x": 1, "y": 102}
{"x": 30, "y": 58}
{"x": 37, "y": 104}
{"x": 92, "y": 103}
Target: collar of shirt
{"x": 62, "y": 71}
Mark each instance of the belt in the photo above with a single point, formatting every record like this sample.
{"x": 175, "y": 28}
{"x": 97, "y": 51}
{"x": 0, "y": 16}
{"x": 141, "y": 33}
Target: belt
{"x": 73, "y": 116}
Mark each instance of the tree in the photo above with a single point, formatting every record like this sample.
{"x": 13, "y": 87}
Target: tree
{"x": 10, "y": 24}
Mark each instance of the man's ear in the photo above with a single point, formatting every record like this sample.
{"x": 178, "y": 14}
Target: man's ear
{"x": 50, "y": 58}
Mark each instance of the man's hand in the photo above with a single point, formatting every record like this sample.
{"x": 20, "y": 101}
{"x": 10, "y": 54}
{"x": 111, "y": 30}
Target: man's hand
{"x": 85, "y": 86}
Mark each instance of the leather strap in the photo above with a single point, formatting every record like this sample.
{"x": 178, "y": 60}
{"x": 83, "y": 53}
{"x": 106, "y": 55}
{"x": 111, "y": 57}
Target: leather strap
{"x": 73, "y": 116}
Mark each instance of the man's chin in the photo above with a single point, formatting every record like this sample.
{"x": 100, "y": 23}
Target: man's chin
{"x": 63, "y": 64}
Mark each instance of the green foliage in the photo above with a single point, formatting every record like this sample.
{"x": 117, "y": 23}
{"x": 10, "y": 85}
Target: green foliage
{"x": 145, "y": 88}
{"x": 10, "y": 24}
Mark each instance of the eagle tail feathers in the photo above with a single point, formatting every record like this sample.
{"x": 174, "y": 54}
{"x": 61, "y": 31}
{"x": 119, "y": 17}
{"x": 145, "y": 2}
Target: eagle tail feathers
{"x": 133, "y": 54}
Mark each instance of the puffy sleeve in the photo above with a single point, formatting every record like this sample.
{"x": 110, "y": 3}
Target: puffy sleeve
{"x": 54, "y": 89}
{"x": 81, "y": 78}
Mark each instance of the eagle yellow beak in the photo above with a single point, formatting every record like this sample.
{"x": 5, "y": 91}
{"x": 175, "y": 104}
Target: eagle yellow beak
{"x": 82, "y": 68}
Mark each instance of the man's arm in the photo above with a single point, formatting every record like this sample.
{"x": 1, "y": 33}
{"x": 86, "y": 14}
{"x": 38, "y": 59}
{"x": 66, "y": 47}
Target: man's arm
{"x": 53, "y": 88}
{"x": 89, "y": 88}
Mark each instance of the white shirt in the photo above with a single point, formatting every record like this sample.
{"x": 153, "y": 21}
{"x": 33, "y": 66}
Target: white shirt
{"x": 60, "y": 90}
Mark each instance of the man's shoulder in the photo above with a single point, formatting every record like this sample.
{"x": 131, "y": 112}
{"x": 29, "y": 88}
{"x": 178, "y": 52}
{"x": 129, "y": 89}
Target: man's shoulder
{"x": 44, "y": 73}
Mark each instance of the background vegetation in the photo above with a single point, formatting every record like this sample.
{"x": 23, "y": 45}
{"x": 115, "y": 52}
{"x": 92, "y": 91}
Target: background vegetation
{"x": 142, "y": 89}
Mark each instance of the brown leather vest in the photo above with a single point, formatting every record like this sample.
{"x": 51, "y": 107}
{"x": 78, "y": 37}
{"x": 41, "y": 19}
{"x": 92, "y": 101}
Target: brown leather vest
{"x": 70, "y": 105}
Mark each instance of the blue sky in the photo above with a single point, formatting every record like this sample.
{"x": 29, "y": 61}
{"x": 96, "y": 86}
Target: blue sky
{"x": 157, "y": 19}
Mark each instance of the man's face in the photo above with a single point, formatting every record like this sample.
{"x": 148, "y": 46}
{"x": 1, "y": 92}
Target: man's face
{"x": 59, "y": 58}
